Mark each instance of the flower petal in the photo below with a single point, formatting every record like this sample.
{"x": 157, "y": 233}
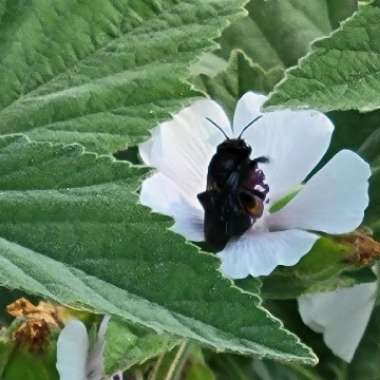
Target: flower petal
{"x": 341, "y": 316}
{"x": 182, "y": 148}
{"x": 294, "y": 141}
{"x": 258, "y": 253}
{"x": 95, "y": 362}
{"x": 162, "y": 195}
{"x": 247, "y": 108}
{"x": 72, "y": 351}
{"x": 334, "y": 199}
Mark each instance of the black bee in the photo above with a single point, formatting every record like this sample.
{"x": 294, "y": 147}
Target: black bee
{"x": 235, "y": 192}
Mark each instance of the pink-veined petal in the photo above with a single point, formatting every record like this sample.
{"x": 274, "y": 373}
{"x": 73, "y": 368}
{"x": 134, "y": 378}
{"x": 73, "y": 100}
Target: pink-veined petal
{"x": 162, "y": 195}
{"x": 333, "y": 201}
{"x": 294, "y": 141}
{"x": 259, "y": 253}
{"x": 341, "y": 316}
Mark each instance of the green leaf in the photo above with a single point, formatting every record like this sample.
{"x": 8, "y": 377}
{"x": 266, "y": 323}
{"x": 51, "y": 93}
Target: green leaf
{"x": 101, "y": 72}
{"x": 7, "y": 347}
{"x": 278, "y": 32}
{"x": 71, "y": 231}
{"x": 241, "y": 75}
{"x": 329, "y": 365}
{"x": 127, "y": 346}
{"x": 197, "y": 368}
{"x": 352, "y": 130}
{"x": 19, "y": 361}
{"x": 324, "y": 268}
{"x": 199, "y": 371}
{"x": 209, "y": 64}
{"x": 235, "y": 367}
{"x": 340, "y": 73}
{"x": 171, "y": 365}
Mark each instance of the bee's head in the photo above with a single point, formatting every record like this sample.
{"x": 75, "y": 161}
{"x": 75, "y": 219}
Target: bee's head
{"x": 238, "y": 143}
{"x": 238, "y": 146}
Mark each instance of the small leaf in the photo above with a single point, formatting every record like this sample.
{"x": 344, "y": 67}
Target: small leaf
{"x": 340, "y": 73}
{"x": 71, "y": 231}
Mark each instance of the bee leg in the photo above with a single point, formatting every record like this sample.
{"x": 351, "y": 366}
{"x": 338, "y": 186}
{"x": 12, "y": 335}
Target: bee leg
{"x": 207, "y": 199}
{"x": 260, "y": 194}
{"x": 260, "y": 160}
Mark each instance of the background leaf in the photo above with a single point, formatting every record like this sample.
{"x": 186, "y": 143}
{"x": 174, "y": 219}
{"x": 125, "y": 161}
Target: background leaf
{"x": 366, "y": 362}
{"x": 370, "y": 150}
{"x": 340, "y": 73}
{"x": 111, "y": 255}
{"x": 326, "y": 267}
{"x": 278, "y": 32}
{"x": 235, "y": 367}
{"x": 239, "y": 76}
{"x": 101, "y": 72}
{"x": 128, "y": 346}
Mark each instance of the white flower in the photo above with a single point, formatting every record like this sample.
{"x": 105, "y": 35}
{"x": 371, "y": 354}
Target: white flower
{"x": 341, "y": 316}
{"x": 332, "y": 201}
{"x": 76, "y": 360}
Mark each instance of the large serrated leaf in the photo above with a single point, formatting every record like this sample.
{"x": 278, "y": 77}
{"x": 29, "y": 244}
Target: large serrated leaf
{"x": 342, "y": 72}
{"x": 278, "y": 32}
{"x": 71, "y": 231}
{"x": 101, "y": 72}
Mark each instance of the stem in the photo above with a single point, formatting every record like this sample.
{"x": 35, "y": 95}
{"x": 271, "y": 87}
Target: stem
{"x": 154, "y": 372}
{"x": 139, "y": 374}
{"x": 177, "y": 361}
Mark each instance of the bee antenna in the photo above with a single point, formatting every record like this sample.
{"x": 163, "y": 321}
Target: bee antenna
{"x": 249, "y": 124}
{"x": 218, "y": 127}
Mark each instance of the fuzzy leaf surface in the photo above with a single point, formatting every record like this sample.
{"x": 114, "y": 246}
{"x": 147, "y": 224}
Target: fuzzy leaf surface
{"x": 128, "y": 345}
{"x": 279, "y": 32}
{"x": 101, "y": 72}
{"x": 342, "y": 72}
